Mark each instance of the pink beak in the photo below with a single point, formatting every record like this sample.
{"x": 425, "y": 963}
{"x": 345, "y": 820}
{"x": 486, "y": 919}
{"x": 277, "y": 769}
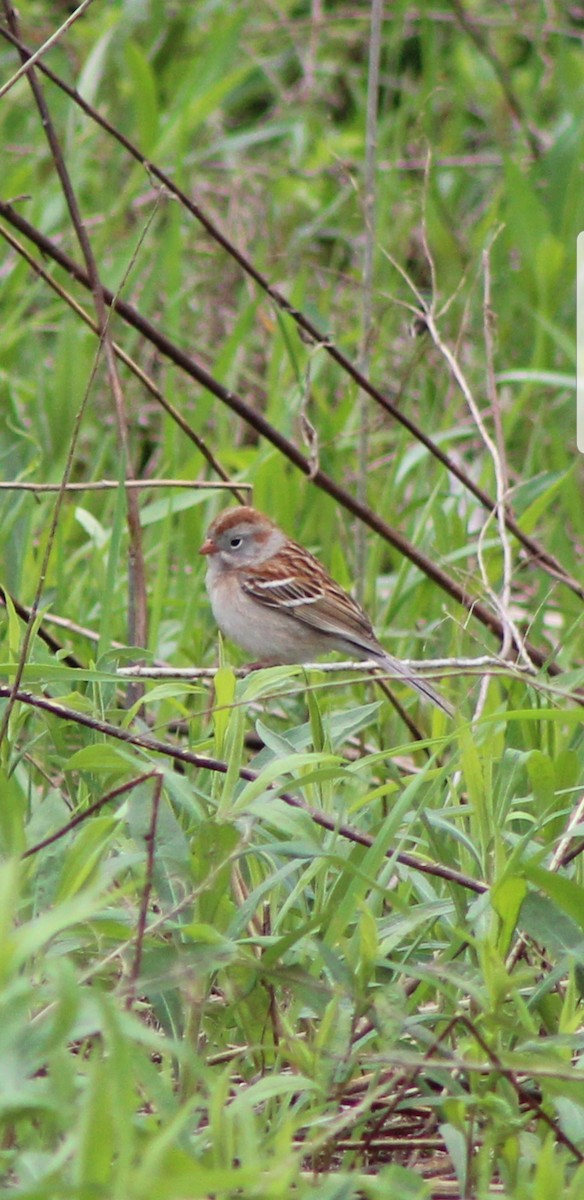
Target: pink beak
{"x": 208, "y": 547}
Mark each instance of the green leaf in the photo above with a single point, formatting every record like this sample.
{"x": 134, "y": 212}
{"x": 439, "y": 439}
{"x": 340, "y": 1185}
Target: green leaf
{"x": 507, "y": 898}
{"x": 544, "y": 489}
{"x": 144, "y": 91}
{"x": 542, "y": 919}
{"x": 224, "y": 684}
{"x": 542, "y": 778}
{"x": 158, "y": 510}
{"x": 91, "y": 76}
{"x": 290, "y": 765}
{"x": 566, "y": 894}
{"x": 233, "y": 752}
{"x": 89, "y": 848}
{"x": 102, "y": 756}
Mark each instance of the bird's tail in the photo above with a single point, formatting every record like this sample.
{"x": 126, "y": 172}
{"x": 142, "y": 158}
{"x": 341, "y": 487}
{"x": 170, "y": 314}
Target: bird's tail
{"x": 394, "y": 667}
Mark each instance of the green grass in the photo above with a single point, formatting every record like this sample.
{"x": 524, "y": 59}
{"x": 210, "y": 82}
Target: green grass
{"x": 292, "y": 949}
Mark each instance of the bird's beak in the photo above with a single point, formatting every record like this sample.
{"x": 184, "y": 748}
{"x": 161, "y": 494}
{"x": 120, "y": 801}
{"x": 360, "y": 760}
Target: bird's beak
{"x": 208, "y": 547}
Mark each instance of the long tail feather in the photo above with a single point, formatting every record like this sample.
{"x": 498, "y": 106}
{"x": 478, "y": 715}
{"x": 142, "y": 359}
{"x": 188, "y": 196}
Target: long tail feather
{"x": 395, "y": 667}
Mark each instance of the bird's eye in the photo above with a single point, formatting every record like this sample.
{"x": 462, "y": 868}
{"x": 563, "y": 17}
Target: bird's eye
{"x": 235, "y": 543}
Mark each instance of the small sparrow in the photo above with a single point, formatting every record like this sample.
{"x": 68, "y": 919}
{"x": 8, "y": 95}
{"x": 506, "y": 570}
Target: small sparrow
{"x": 275, "y": 599}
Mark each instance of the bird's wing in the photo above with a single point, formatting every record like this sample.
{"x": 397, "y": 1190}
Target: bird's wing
{"x": 295, "y": 583}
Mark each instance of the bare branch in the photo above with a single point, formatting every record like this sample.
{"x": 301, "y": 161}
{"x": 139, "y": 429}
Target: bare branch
{"x": 259, "y": 422}
{"x": 543, "y": 557}
{"x": 206, "y": 763}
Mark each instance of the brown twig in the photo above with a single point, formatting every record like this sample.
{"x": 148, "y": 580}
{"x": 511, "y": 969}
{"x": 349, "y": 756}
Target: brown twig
{"x": 87, "y": 812}
{"x": 53, "y": 643}
{"x": 543, "y": 557}
{"x": 563, "y": 854}
{"x": 137, "y": 599}
{"x": 369, "y": 222}
{"x": 146, "y": 380}
{"x": 522, "y": 1093}
{"x": 51, "y": 41}
{"x": 507, "y": 1073}
{"x": 483, "y": 46}
{"x": 286, "y": 447}
{"x": 496, "y": 448}
{"x": 206, "y": 763}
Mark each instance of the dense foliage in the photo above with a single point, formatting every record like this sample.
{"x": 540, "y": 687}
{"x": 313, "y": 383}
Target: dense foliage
{"x": 260, "y": 937}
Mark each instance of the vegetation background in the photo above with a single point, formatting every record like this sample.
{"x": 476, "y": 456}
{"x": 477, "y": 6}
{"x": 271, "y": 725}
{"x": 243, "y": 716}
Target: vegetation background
{"x": 275, "y": 936}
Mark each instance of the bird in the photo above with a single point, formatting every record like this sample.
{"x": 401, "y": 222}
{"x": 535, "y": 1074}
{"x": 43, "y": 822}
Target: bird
{"x": 273, "y": 598}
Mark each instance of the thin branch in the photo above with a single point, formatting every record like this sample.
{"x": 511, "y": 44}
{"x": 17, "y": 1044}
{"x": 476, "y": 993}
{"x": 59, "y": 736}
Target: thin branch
{"x": 137, "y": 599}
{"x": 543, "y": 557}
{"x": 559, "y": 856}
{"x": 87, "y": 812}
{"x": 563, "y": 854}
{"x": 426, "y": 668}
{"x": 110, "y": 485}
{"x": 259, "y": 422}
{"x": 476, "y": 35}
{"x": 574, "y": 852}
{"x": 136, "y": 370}
{"x": 50, "y": 618}
{"x": 524, "y": 1096}
{"x": 369, "y": 214}
{"x": 204, "y": 762}
{"x": 53, "y": 643}
{"x": 32, "y": 58}
{"x": 497, "y": 452}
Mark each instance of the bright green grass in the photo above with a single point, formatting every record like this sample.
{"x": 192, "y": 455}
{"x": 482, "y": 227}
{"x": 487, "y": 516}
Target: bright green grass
{"x": 294, "y": 992}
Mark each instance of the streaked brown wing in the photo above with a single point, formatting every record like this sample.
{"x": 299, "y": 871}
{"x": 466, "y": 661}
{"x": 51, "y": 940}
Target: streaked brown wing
{"x": 283, "y": 582}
